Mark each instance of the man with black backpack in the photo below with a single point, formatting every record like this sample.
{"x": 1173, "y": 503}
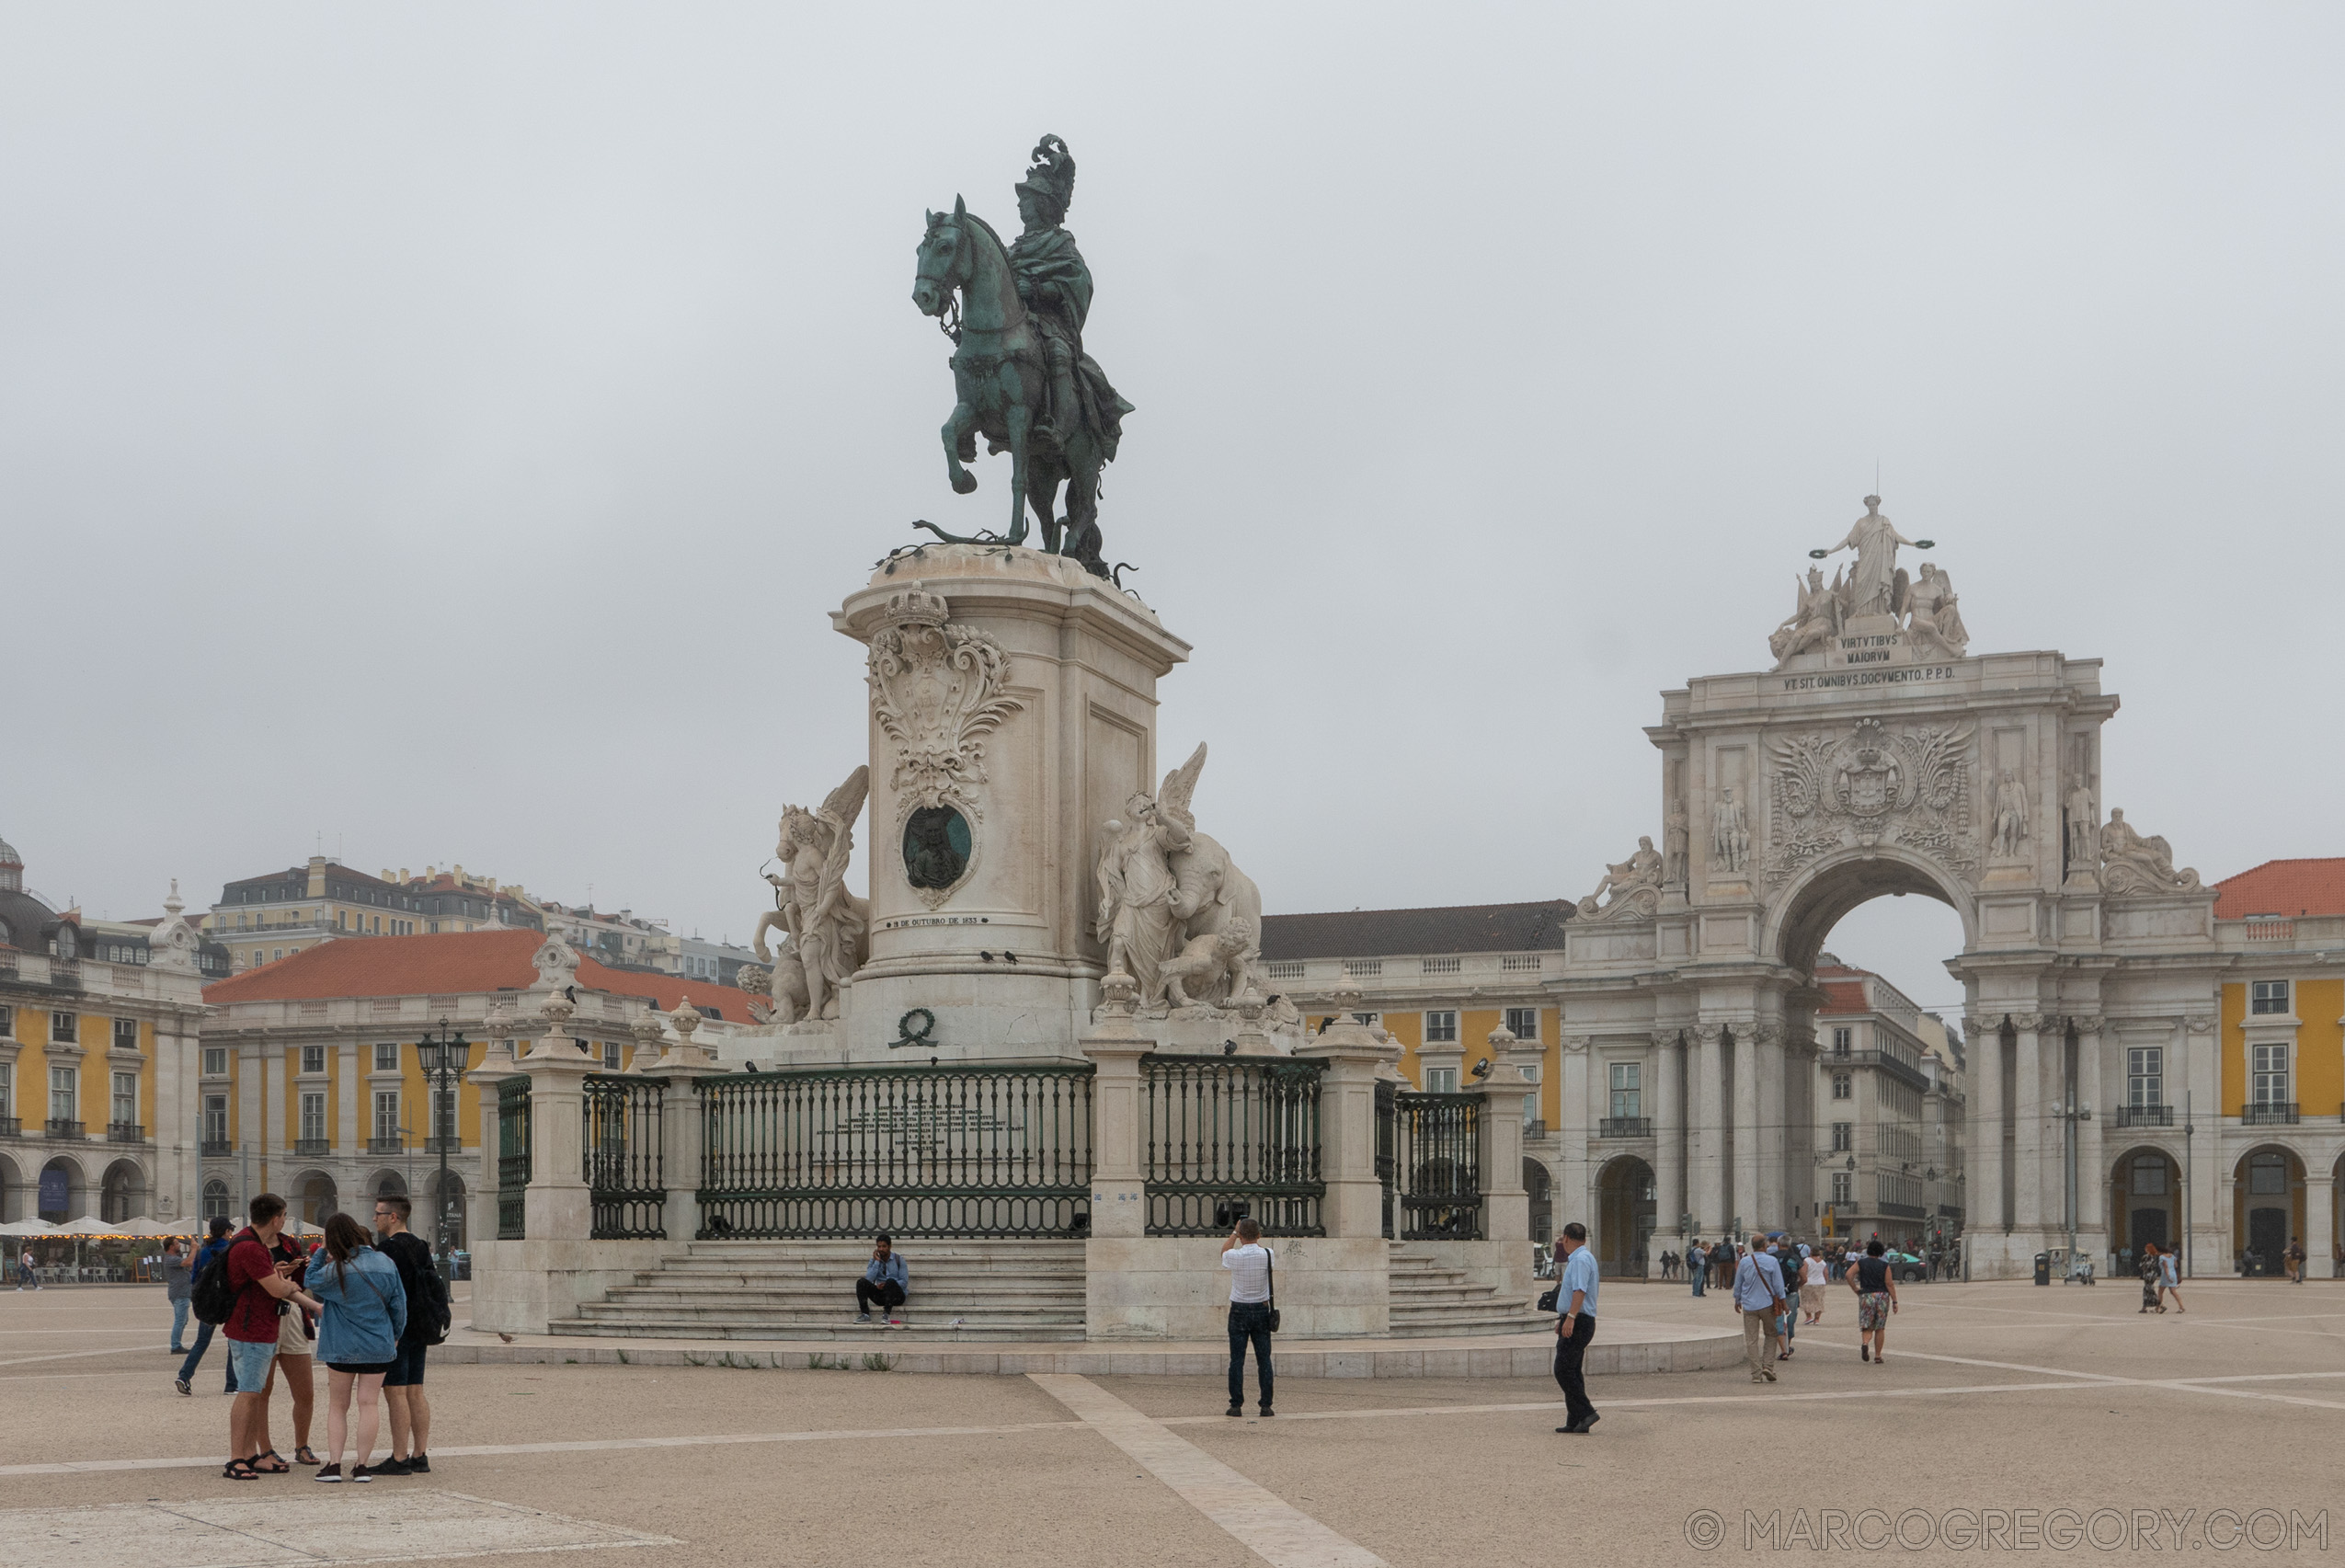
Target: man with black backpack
{"x": 215, "y": 1247}
{"x": 427, "y": 1326}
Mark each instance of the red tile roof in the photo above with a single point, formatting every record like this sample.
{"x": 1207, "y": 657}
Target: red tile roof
{"x": 2289, "y": 887}
{"x": 1842, "y": 996}
{"x": 448, "y": 964}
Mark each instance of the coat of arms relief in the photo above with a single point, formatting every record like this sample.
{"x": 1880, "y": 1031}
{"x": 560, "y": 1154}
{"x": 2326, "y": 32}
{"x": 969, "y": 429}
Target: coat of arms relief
{"x": 1872, "y": 786}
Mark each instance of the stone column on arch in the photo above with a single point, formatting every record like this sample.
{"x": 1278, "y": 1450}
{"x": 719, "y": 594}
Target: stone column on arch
{"x": 1799, "y": 1126}
{"x": 1575, "y": 1196}
{"x": 2092, "y": 1180}
{"x": 1669, "y": 1132}
{"x": 1743, "y": 1193}
{"x": 1774, "y": 1211}
{"x": 1706, "y": 1141}
{"x": 2030, "y": 1127}
{"x": 2209, "y": 1204}
{"x": 1983, "y": 1193}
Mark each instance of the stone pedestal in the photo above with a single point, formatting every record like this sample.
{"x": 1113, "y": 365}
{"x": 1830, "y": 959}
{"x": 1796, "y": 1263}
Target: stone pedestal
{"x": 1014, "y": 712}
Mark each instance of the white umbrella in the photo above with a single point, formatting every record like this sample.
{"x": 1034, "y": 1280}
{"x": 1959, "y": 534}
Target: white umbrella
{"x": 28, "y": 1228}
{"x": 144, "y": 1226}
{"x": 87, "y": 1225}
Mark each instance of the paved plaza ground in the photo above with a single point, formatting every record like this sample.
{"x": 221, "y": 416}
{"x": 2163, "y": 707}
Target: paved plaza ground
{"x": 1998, "y": 1399}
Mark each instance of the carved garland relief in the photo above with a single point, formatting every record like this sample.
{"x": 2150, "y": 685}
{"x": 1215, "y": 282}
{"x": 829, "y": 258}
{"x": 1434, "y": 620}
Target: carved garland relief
{"x": 1910, "y": 787}
{"x": 937, "y": 691}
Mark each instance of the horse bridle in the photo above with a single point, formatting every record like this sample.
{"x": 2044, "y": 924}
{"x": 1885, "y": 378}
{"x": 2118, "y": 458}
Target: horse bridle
{"x": 948, "y": 320}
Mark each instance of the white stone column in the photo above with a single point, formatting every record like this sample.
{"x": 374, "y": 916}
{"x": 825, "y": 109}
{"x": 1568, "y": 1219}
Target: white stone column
{"x": 680, "y": 1063}
{"x": 2320, "y": 1222}
{"x": 1505, "y": 1206}
{"x": 1774, "y": 1209}
{"x": 2201, "y": 1047}
{"x": 1119, "y": 1193}
{"x": 347, "y": 1116}
{"x": 1743, "y": 1196}
{"x": 557, "y": 1208}
{"x": 1983, "y": 1199}
{"x": 1798, "y": 1128}
{"x": 1576, "y": 1190}
{"x": 1706, "y": 1140}
{"x": 1353, "y": 1207}
{"x": 2092, "y": 1181}
{"x": 1669, "y": 1133}
{"x": 2031, "y": 1125}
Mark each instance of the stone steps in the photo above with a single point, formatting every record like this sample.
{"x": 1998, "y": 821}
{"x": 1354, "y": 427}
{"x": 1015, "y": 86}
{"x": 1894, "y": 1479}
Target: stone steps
{"x": 1429, "y": 1300}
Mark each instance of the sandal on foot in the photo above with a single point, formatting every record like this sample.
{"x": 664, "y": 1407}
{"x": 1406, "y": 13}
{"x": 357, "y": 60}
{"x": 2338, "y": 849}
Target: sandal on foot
{"x": 280, "y": 1468}
{"x": 305, "y": 1455}
{"x": 240, "y": 1470}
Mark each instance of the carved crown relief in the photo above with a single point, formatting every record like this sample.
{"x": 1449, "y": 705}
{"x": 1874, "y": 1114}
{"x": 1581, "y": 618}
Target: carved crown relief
{"x": 937, "y": 690}
{"x": 1910, "y": 786}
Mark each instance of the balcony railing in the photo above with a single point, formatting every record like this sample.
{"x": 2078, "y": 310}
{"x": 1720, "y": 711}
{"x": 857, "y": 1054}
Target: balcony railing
{"x": 10, "y": 1128}
{"x": 218, "y": 1148}
{"x": 1534, "y": 1128}
{"x": 58, "y": 1128}
{"x": 1624, "y": 1127}
{"x": 2273, "y": 1113}
{"x": 2145, "y": 1116}
{"x": 381, "y": 1144}
{"x": 453, "y": 1143}
{"x": 313, "y": 1148}
{"x": 125, "y": 1132}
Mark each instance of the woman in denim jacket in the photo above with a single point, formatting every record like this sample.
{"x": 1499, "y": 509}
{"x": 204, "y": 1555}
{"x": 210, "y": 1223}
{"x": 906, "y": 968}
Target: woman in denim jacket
{"x": 358, "y": 1337}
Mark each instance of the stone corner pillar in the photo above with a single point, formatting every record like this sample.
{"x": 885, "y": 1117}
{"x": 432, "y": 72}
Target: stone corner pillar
{"x": 1352, "y": 1055}
{"x": 1118, "y": 1185}
{"x": 677, "y": 1069}
{"x": 1505, "y": 1206}
{"x": 558, "y": 1207}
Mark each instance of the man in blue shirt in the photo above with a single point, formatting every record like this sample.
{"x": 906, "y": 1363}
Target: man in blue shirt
{"x": 1575, "y": 1326}
{"x": 1758, "y": 1296}
{"x": 1698, "y": 1264}
{"x": 885, "y": 1283}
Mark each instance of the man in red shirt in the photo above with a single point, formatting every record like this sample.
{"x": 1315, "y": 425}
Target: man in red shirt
{"x": 258, "y": 1277}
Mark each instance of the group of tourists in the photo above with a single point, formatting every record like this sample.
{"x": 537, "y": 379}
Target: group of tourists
{"x": 2161, "y": 1279}
{"x": 368, "y": 1305}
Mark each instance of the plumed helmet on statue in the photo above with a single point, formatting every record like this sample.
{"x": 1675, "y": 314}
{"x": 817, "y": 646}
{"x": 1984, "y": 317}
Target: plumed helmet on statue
{"x": 1052, "y": 178}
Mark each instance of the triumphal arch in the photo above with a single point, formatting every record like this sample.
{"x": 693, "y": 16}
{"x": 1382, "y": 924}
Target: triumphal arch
{"x": 1879, "y": 755}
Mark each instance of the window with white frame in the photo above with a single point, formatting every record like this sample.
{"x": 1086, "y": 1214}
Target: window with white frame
{"x": 1441, "y": 1029}
{"x": 2144, "y": 1076}
{"x": 1841, "y": 1039}
{"x": 2270, "y": 1075}
{"x": 215, "y": 1118}
{"x": 1523, "y": 1023}
{"x": 1844, "y": 1138}
{"x": 64, "y": 1029}
{"x": 386, "y": 1113}
{"x": 1844, "y": 1085}
{"x": 215, "y": 1199}
{"x": 314, "y": 1116}
{"x": 64, "y": 1093}
{"x": 8, "y": 1090}
{"x": 313, "y": 1059}
{"x": 1627, "y": 1090}
{"x": 7, "y": 1014}
{"x": 215, "y": 1061}
{"x": 611, "y": 1055}
{"x": 126, "y": 1034}
{"x": 386, "y": 1057}
{"x": 1441, "y": 1081}
{"x": 1843, "y": 1187}
{"x": 443, "y": 1113}
{"x": 2268, "y": 997}
{"x": 124, "y": 1111}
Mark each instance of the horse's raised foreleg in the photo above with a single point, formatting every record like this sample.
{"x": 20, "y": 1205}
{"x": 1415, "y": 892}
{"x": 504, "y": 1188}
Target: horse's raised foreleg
{"x": 957, "y": 440}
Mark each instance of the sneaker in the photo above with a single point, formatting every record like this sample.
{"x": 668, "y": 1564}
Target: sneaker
{"x": 1268, "y": 1410}
{"x": 418, "y": 1464}
{"x": 391, "y": 1467}
{"x": 863, "y": 1317}
{"x": 1770, "y": 1377}
{"x": 1864, "y": 1350}
{"x": 181, "y": 1384}
{"x": 363, "y": 1472}
{"x": 330, "y": 1472}
{"x": 1235, "y": 1410}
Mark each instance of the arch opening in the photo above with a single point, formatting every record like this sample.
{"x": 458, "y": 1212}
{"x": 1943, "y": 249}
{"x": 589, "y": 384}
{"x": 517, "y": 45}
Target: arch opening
{"x": 121, "y": 1193}
{"x": 1625, "y": 1213}
{"x": 2145, "y": 1204}
{"x": 1817, "y": 902}
{"x": 2267, "y": 1208}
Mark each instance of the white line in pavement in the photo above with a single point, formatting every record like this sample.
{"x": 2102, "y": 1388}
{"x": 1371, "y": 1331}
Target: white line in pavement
{"x": 1264, "y": 1523}
{"x": 77, "y": 1354}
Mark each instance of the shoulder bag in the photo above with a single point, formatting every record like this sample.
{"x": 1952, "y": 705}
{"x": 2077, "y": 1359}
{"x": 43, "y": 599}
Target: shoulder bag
{"x": 1272, "y": 1260}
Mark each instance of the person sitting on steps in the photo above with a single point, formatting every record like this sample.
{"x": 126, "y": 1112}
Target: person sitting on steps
{"x": 885, "y": 1283}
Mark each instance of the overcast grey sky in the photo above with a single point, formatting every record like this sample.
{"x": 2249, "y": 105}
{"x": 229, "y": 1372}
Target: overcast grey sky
{"x": 446, "y": 428}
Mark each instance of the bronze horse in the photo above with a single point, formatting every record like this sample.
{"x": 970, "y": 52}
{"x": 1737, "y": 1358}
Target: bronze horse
{"x": 963, "y": 279}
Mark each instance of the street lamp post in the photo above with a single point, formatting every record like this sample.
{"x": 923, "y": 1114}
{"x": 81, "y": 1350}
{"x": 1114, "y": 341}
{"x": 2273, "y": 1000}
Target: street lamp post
{"x": 445, "y": 1057}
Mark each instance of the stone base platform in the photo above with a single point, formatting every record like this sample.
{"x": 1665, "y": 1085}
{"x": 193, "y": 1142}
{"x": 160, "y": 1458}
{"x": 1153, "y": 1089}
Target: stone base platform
{"x": 1621, "y": 1345}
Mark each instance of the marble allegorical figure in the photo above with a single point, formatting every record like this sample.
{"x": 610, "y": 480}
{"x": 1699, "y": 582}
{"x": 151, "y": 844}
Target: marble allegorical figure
{"x": 1136, "y": 889}
{"x": 2132, "y": 864}
{"x": 1633, "y": 886}
{"x": 1676, "y": 842}
{"x": 2010, "y": 814}
{"x": 1211, "y": 964}
{"x": 1814, "y": 621}
{"x": 827, "y": 928}
{"x": 1874, "y": 587}
{"x": 2083, "y": 853}
{"x": 1730, "y": 834}
{"x": 1932, "y": 619}
{"x": 1208, "y": 893}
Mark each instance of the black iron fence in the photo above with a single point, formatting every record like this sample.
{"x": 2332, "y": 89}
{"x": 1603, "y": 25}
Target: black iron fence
{"x": 914, "y": 1151}
{"x": 1437, "y": 1165}
{"x": 512, "y": 1158}
{"x": 1224, "y": 1138}
{"x": 627, "y": 1186}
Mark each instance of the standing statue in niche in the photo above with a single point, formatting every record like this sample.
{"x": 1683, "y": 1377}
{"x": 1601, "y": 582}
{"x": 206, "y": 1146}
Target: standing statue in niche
{"x": 1730, "y": 834}
{"x": 2010, "y": 814}
{"x": 1677, "y": 841}
{"x": 2084, "y": 854}
{"x": 828, "y": 926}
{"x": 1876, "y": 587}
{"x": 1020, "y": 376}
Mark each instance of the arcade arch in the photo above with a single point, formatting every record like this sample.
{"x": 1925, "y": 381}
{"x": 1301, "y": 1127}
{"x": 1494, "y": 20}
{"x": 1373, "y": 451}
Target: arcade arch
{"x": 123, "y": 1192}
{"x": 1626, "y": 1211}
{"x": 2267, "y": 1206}
{"x": 2144, "y": 1201}
{"x": 65, "y": 1190}
{"x": 317, "y": 1200}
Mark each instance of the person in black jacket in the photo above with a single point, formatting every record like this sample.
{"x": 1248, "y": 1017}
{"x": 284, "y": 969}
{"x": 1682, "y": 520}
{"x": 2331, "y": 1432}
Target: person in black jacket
{"x": 403, "y": 1385}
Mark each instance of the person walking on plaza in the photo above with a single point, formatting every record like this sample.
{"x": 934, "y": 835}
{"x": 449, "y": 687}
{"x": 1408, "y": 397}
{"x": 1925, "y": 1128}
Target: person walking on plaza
{"x": 258, "y": 1277}
{"x": 293, "y": 1360}
{"x": 403, "y": 1384}
{"x": 1876, "y": 1288}
{"x": 1254, "y": 1311}
{"x": 2295, "y": 1259}
{"x": 2170, "y": 1281}
{"x": 1815, "y": 1276}
{"x": 215, "y": 1245}
{"x": 1787, "y": 1262}
{"x": 176, "y": 1280}
{"x": 25, "y": 1278}
{"x": 364, "y": 1311}
{"x": 1697, "y": 1264}
{"x": 1574, "y": 1327}
{"x": 2153, "y": 1278}
{"x": 885, "y": 1281}
{"x": 1759, "y": 1296}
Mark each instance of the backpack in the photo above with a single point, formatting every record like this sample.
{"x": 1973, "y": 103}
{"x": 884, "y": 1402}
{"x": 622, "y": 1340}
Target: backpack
{"x": 431, "y": 1305}
{"x": 211, "y": 1298}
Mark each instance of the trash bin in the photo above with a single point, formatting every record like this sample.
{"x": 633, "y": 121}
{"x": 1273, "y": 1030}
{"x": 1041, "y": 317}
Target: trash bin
{"x": 2043, "y": 1268}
